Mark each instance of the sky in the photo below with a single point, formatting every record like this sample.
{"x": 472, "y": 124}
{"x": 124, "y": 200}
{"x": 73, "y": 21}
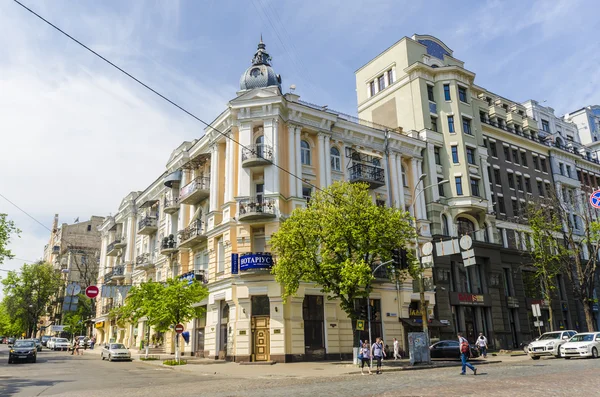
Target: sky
{"x": 76, "y": 135}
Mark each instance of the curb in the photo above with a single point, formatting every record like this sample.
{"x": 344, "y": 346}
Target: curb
{"x": 428, "y": 366}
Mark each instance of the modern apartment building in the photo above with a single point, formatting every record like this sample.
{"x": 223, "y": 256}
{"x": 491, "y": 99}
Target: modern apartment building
{"x": 495, "y": 158}
{"x": 212, "y": 213}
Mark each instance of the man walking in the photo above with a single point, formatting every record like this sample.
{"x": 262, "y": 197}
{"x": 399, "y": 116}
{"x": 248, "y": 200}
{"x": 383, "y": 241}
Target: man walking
{"x": 482, "y": 345}
{"x": 92, "y": 342}
{"x": 465, "y": 352}
{"x": 396, "y": 349}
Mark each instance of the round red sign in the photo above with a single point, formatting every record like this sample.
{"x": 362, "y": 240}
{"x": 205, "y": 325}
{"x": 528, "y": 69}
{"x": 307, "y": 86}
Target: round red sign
{"x": 92, "y": 291}
{"x": 179, "y": 328}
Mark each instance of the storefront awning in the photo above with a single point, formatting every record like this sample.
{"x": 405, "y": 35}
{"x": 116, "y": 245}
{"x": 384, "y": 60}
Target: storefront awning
{"x": 417, "y": 323}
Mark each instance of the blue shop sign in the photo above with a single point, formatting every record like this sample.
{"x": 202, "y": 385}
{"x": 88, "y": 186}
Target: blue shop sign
{"x": 252, "y": 261}
{"x": 234, "y": 263}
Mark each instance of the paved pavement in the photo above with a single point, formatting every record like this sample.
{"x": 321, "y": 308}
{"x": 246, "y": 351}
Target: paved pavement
{"x": 60, "y": 374}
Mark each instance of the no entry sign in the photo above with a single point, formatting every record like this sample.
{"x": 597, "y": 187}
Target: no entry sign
{"x": 92, "y": 291}
{"x": 179, "y": 328}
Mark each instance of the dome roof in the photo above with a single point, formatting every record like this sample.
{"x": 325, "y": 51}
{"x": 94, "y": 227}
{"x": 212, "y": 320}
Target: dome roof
{"x": 260, "y": 74}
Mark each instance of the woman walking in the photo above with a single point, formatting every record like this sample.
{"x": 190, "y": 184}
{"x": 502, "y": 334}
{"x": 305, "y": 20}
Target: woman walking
{"x": 378, "y": 353}
{"x": 365, "y": 352}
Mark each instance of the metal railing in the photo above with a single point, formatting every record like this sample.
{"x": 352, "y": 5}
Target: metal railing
{"x": 195, "y": 229}
{"x": 257, "y": 151}
{"x": 170, "y": 202}
{"x": 198, "y": 183}
{"x": 366, "y": 172}
{"x": 108, "y": 277}
{"x": 148, "y": 221}
{"x": 112, "y": 245}
{"x": 118, "y": 271}
{"x": 257, "y": 205}
{"x": 144, "y": 258}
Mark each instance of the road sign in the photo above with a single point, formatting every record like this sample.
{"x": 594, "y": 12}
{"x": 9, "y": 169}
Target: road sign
{"x": 427, "y": 249}
{"x": 448, "y": 247}
{"x": 92, "y": 291}
{"x": 73, "y": 289}
{"x": 535, "y": 308}
{"x": 538, "y": 323}
{"x": 466, "y": 242}
{"x": 360, "y": 325}
{"x": 179, "y": 328}
{"x": 595, "y": 199}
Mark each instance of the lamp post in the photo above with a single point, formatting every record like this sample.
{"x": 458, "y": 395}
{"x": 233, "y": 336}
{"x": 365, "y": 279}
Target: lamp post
{"x": 369, "y": 307}
{"x": 423, "y": 303}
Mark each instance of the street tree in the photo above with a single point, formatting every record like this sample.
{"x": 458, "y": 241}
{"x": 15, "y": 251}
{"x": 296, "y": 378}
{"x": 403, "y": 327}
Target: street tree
{"x": 7, "y": 230}
{"x": 28, "y": 293}
{"x": 9, "y": 326}
{"x": 337, "y": 241}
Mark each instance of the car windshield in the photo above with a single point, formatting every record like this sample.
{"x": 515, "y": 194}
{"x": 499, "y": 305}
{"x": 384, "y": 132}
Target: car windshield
{"x": 24, "y": 344}
{"x": 582, "y": 338}
{"x": 46, "y": 337}
{"x": 117, "y": 346}
{"x": 61, "y": 340}
{"x": 549, "y": 336}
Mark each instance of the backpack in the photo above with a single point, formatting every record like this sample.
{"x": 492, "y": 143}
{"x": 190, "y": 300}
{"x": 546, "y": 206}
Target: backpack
{"x": 464, "y": 348}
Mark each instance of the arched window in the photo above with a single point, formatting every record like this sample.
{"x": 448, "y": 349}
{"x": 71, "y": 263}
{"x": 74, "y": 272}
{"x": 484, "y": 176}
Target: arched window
{"x": 445, "y": 230}
{"x": 336, "y": 159}
{"x": 464, "y": 227}
{"x": 260, "y": 146}
{"x": 305, "y": 153}
{"x": 486, "y": 233}
{"x": 404, "y": 181}
{"x": 559, "y": 142}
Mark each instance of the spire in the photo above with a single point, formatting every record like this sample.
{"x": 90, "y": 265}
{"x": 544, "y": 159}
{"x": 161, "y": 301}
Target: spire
{"x": 261, "y": 57}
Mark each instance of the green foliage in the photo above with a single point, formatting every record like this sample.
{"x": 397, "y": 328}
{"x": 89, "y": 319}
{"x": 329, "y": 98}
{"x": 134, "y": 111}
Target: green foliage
{"x": 74, "y": 323}
{"x": 337, "y": 241}
{"x": 175, "y": 362}
{"x": 7, "y": 229}
{"x": 8, "y": 325}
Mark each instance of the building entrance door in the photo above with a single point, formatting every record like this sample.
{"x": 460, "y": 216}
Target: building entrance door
{"x": 313, "y": 316}
{"x": 260, "y": 332}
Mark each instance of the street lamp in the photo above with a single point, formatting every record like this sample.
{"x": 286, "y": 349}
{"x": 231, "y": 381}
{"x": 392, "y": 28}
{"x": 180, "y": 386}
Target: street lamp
{"x": 369, "y": 306}
{"x": 423, "y": 303}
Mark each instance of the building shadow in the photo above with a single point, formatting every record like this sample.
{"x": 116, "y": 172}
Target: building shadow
{"x": 11, "y": 387}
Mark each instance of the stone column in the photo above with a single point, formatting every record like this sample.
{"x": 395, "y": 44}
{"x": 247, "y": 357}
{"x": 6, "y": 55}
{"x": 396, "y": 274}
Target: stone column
{"x": 298, "y": 178}
{"x": 327, "y": 158}
{"x": 276, "y": 187}
{"x": 415, "y": 179}
{"x": 435, "y": 194}
{"x": 245, "y": 139}
{"x": 401, "y": 202}
{"x": 228, "y": 169}
{"x": 321, "y": 150}
{"x": 486, "y": 182}
{"x": 393, "y": 189}
{"x": 292, "y": 160}
{"x": 214, "y": 177}
{"x": 269, "y": 171}
{"x": 421, "y": 186}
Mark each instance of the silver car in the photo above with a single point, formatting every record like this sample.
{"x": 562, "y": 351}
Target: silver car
{"x": 115, "y": 351}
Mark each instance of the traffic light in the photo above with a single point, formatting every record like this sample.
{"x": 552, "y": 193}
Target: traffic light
{"x": 396, "y": 257}
{"x": 400, "y": 258}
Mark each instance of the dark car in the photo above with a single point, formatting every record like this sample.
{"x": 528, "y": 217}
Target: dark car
{"x": 10, "y": 341}
{"x": 38, "y": 344}
{"x": 22, "y": 350}
{"x": 45, "y": 339}
{"x": 449, "y": 349}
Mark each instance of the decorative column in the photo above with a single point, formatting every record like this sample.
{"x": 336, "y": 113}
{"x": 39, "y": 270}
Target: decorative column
{"x": 327, "y": 157}
{"x": 214, "y": 177}
{"x": 435, "y": 194}
{"x": 401, "y": 202}
{"x": 393, "y": 188}
{"x": 245, "y": 139}
{"x": 292, "y": 160}
{"x": 486, "y": 182}
{"x": 415, "y": 179}
{"x": 269, "y": 172}
{"x": 228, "y": 171}
{"x": 421, "y": 186}
{"x": 276, "y": 187}
{"x": 321, "y": 150}
{"x": 298, "y": 163}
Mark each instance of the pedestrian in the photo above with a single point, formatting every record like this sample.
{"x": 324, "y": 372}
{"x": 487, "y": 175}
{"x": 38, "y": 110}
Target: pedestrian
{"x": 465, "y": 352}
{"x": 365, "y": 354}
{"x": 92, "y": 342}
{"x": 482, "y": 345}
{"x": 397, "y": 349}
{"x": 378, "y": 353}
{"x": 75, "y": 346}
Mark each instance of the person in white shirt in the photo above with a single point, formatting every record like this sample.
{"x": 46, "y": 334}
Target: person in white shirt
{"x": 482, "y": 345}
{"x": 396, "y": 349}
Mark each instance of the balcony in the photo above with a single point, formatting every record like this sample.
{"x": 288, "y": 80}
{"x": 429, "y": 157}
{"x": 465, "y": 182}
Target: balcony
{"x": 253, "y": 208}
{"x": 199, "y": 275}
{"x": 497, "y": 111}
{"x": 144, "y": 261}
{"x": 148, "y": 225}
{"x": 257, "y": 156}
{"x": 195, "y": 191}
{"x": 108, "y": 277}
{"x": 118, "y": 272}
{"x": 373, "y": 176}
{"x": 113, "y": 248}
{"x": 192, "y": 235}
{"x": 171, "y": 205}
{"x": 513, "y": 117}
{"x": 168, "y": 245}
{"x": 530, "y": 124}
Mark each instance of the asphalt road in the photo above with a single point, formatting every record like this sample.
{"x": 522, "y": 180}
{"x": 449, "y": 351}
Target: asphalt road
{"x": 57, "y": 373}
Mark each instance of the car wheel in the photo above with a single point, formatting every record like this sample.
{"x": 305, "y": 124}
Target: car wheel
{"x": 559, "y": 355}
{"x": 535, "y": 357}
{"x": 594, "y": 352}
{"x": 567, "y": 358}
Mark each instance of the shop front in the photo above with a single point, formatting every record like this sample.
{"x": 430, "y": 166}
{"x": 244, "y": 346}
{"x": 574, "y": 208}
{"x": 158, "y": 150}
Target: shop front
{"x": 473, "y": 313}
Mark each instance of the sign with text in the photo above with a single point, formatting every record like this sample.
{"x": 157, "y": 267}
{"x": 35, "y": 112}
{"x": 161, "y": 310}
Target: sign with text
{"x": 257, "y": 260}
{"x": 235, "y": 265}
{"x": 467, "y": 299}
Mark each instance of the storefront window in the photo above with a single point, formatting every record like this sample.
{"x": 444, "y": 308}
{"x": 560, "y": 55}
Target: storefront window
{"x": 261, "y": 305}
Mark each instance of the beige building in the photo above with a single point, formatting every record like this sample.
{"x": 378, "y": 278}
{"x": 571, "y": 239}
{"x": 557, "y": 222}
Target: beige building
{"x": 212, "y": 213}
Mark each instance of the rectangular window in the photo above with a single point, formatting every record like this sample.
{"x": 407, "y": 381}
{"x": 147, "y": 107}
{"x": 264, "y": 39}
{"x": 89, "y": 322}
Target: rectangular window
{"x": 260, "y": 191}
{"x": 483, "y": 116}
{"x": 471, "y": 155}
{"x": 515, "y": 156}
{"x": 372, "y": 88}
{"x": 497, "y": 176}
{"x": 258, "y": 242}
{"x": 520, "y": 182}
{"x": 451, "y": 123}
{"x": 506, "y": 153}
{"x": 455, "y": 154}
{"x": 507, "y": 282}
{"x": 501, "y": 206}
{"x": 547, "y": 186}
{"x": 462, "y": 94}
{"x": 545, "y": 126}
{"x": 502, "y": 239}
{"x": 511, "y": 180}
{"x": 306, "y": 193}
{"x": 459, "y": 190}
{"x": 540, "y": 187}
{"x": 474, "y": 187}
{"x": 467, "y": 126}
{"x": 524, "y": 159}
{"x": 447, "y": 92}
{"x": 381, "y": 83}
{"x": 543, "y": 165}
{"x": 561, "y": 168}
{"x": 434, "y": 124}
{"x": 493, "y": 150}
{"x": 220, "y": 256}
{"x": 569, "y": 171}
{"x": 528, "y": 185}
{"x": 430, "y": 93}
{"x": 390, "y": 75}
{"x": 436, "y": 153}
{"x": 441, "y": 187}
{"x": 536, "y": 163}
{"x": 515, "y": 207}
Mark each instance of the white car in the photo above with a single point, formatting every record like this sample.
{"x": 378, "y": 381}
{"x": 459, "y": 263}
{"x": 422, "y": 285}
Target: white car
{"x": 586, "y": 344}
{"x": 61, "y": 344}
{"x": 50, "y": 343}
{"x": 115, "y": 351}
{"x": 549, "y": 344}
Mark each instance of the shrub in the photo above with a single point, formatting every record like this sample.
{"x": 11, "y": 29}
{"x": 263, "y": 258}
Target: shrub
{"x": 175, "y": 362}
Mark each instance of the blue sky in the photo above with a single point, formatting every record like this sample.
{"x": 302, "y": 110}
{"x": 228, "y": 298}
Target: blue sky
{"x": 77, "y": 136}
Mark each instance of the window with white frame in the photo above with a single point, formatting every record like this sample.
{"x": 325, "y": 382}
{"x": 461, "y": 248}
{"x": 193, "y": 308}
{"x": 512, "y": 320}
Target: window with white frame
{"x": 305, "y": 152}
{"x": 220, "y": 255}
{"x": 336, "y": 159}
{"x": 404, "y": 181}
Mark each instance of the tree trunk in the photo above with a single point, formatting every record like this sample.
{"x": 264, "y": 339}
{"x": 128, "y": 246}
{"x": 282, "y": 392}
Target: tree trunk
{"x": 550, "y": 311}
{"x": 589, "y": 317}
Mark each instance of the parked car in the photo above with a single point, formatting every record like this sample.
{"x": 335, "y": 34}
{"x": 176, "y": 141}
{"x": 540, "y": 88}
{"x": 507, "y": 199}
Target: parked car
{"x": 22, "y": 350}
{"x": 585, "y": 344}
{"x": 549, "y": 344}
{"x": 115, "y": 351}
{"x": 449, "y": 349}
{"x": 45, "y": 340}
{"x": 38, "y": 344}
{"x": 10, "y": 340}
{"x": 50, "y": 343}
{"x": 61, "y": 344}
